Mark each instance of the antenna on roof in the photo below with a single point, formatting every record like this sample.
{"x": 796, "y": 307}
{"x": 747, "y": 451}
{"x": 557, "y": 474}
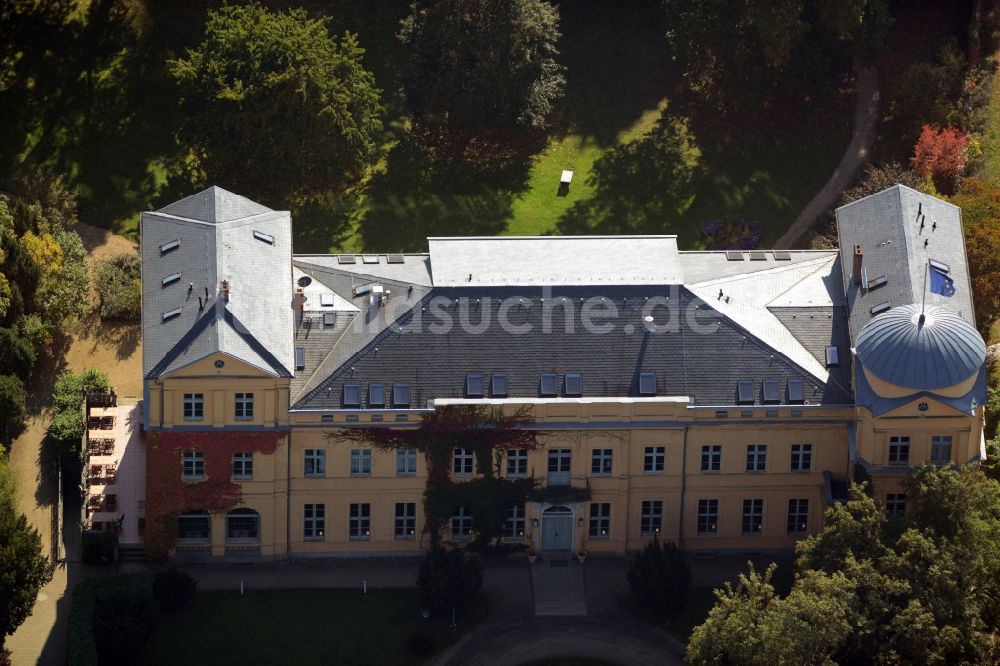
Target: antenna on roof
{"x": 923, "y": 297}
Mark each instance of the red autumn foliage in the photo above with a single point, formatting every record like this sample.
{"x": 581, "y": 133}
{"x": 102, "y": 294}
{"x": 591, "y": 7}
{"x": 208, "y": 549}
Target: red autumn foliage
{"x": 941, "y": 153}
{"x": 168, "y": 495}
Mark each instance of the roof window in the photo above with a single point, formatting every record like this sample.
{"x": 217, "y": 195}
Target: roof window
{"x": 300, "y": 358}
{"x": 881, "y": 307}
{"x": 744, "y": 392}
{"x": 647, "y": 383}
{"x": 261, "y": 236}
{"x": 376, "y": 395}
{"x": 796, "y": 394}
{"x": 573, "y": 384}
{"x": 940, "y": 265}
{"x": 352, "y": 396}
{"x": 547, "y": 384}
{"x": 400, "y": 395}
{"x": 474, "y": 385}
{"x": 771, "y": 391}
{"x": 832, "y": 357}
{"x": 170, "y": 314}
{"x": 170, "y": 246}
{"x": 170, "y": 279}
{"x": 499, "y": 385}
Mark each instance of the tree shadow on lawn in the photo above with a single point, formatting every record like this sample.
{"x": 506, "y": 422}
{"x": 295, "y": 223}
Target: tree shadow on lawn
{"x": 617, "y": 65}
{"x": 420, "y": 195}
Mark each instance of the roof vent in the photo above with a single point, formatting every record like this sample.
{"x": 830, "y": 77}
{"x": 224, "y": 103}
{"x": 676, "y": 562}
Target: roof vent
{"x": 329, "y": 319}
{"x": 225, "y": 287}
{"x": 648, "y": 324}
{"x": 326, "y": 300}
{"x": 859, "y": 255}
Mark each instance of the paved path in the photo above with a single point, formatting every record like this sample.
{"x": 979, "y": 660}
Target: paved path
{"x": 557, "y": 586}
{"x": 865, "y": 120}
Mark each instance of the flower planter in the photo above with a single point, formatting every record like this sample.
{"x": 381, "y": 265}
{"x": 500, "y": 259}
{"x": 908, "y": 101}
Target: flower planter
{"x": 581, "y": 556}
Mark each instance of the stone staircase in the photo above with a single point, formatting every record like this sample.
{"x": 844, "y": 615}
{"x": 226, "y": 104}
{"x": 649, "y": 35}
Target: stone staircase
{"x": 131, "y": 553}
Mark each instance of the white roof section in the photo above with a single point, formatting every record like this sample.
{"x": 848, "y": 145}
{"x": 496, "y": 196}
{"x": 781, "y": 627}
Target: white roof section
{"x": 320, "y": 297}
{"x": 251, "y": 318}
{"x": 554, "y": 260}
{"x": 411, "y": 268}
{"x": 793, "y": 285}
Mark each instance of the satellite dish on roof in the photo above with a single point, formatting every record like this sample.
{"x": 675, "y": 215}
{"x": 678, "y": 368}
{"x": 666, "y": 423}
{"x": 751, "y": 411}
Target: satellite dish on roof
{"x": 305, "y": 281}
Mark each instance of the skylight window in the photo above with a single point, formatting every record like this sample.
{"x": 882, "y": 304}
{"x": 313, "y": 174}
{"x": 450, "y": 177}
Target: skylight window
{"x": 647, "y": 383}
{"x": 170, "y": 314}
{"x": 832, "y": 357}
{"x": 352, "y": 396}
{"x": 261, "y": 236}
{"x": 474, "y": 385}
{"x": 499, "y": 384}
{"x": 347, "y": 259}
{"x": 758, "y": 255}
{"x": 941, "y": 266}
{"x": 771, "y": 391}
{"x": 573, "y": 384}
{"x": 744, "y": 392}
{"x": 881, "y": 307}
{"x": 170, "y": 246}
{"x": 796, "y": 394}
{"x": 877, "y": 282}
{"x": 300, "y": 358}
{"x": 376, "y": 395}
{"x": 547, "y": 384}
{"x": 734, "y": 255}
{"x": 326, "y": 300}
{"x": 329, "y": 319}
{"x": 369, "y": 258}
{"x": 781, "y": 255}
{"x": 170, "y": 279}
{"x": 394, "y": 259}
{"x": 400, "y": 395}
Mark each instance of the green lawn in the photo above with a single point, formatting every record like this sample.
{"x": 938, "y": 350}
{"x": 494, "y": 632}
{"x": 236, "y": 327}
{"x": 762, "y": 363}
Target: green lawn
{"x": 298, "y": 627}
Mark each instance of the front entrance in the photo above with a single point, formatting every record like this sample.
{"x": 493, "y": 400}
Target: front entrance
{"x": 557, "y": 528}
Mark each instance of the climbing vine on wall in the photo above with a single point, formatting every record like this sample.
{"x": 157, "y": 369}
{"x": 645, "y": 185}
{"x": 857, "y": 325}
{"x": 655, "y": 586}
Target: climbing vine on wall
{"x": 168, "y": 495}
{"x": 489, "y": 433}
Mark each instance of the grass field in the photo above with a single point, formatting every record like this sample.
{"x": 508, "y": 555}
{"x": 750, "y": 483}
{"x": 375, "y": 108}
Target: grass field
{"x": 300, "y": 627}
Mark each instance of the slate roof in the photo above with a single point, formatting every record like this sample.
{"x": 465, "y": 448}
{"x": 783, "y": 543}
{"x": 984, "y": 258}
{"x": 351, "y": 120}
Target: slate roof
{"x": 896, "y": 245}
{"x": 214, "y": 231}
{"x": 702, "y": 358}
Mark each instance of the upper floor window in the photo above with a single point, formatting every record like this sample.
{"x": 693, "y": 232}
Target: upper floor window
{"x": 756, "y": 457}
{"x": 517, "y": 462}
{"x": 941, "y": 449}
{"x": 194, "y": 406}
{"x": 193, "y": 465}
{"x": 600, "y": 462}
{"x": 361, "y": 462}
{"x": 315, "y": 462}
{"x": 899, "y": 450}
{"x": 462, "y": 461}
{"x": 242, "y": 466}
{"x": 653, "y": 459}
{"x": 406, "y": 462}
{"x": 802, "y": 457}
{"x": 244, "y": 406}
{"x": 711, "y": 458}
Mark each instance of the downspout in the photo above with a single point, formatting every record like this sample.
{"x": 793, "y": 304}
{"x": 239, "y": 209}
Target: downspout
{"x": 288, "y": 497}
{"x": 680, "y": 516}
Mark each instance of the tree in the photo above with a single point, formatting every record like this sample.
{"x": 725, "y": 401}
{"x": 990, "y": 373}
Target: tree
{"x": 980, "y": 203}
{"x": 660, "y": 577}
{"x": 482, "y": 68}
{"x": 119, "y": 288}
{"x": 13, "y": 406}
{"x": 276, "y": 107}
{"x": 17, "y": 355}
{"x": 878, "y": 177}
{"x": 23, "y": 567}
{"x": 940, "y": 154}
{"x": 67, "y": 423}
{"x": 750, "y": 625}
{"x": 450, "y": 580}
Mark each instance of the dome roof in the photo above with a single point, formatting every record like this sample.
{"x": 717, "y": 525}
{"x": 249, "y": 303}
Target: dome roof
{"x": 942, "y": 350}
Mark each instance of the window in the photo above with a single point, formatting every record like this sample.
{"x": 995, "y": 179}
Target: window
{"x": 651, "y": 518}
{"x": 243, "y": 466}
{"x": 708, "y": 516}
{"x": 461, "y": 462}
{"x": 798, "y": 516}
{"x": 796, "y": 393}
{"x": 802, "y": 455}
{"x": 940, "y": 265}
{"x": 941, "y": 449}
{"x": 895, "y": 505}
{"x": 169, "y": 246}
{"x": 352, "y": 396}
{"x": 558, "y": 467}
{"x": 647, "y": 383}
{"x": 547, "y": 384}
{"x": 772, "y": 392}
{"x": 573, "y": 384}
{"x": 376, "y": 395}
{"x": 194, "y": 526}
{"x": 876, "y": 282}
{"x": 711, "y": 458}
{"x": 360, "y": 522}
{"x": 170, "y": 279}
{"x": 315, "y": 462}
{"x": 400, "y": 395}
{"x": 405, "y": 526}
{"x": 881, "y": 307}
{"x": 753, "y": 516}
{"x": 461, "y": 523}
{"x": 832, "y": 357}
{"x": 314, "y": 523}
{"x": 653, "y": 459}
{"x": 243, "y": 524}
{"x": 361, "y": 462}
{"x": 600, "y": 462}
{"x": 244, "y": 406}
{"x": 513, "y": 527}
{"x": 744, "y": 392}
{"x": 194, "y": 406}
{"x": 170, "y": 314}
{"x": 499, "y": 384}
{"x": 600, "y": 520}
{"x": 406, "y": 462}
{"x": 517, "y": 462}
{"x": 474, "y": 385}
{"x": 261, "y": 236}
{"x": 193, "y": 465}
{"x": 756, "y": 457}
{"x": 300, "y": 358}
{"x": 899, "y": 450}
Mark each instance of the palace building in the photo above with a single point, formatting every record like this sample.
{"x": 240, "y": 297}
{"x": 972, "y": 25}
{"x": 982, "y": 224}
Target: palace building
{"x": 718, "y": 399}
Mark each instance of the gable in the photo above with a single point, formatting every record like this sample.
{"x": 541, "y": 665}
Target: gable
{"x": 206, "y": 367}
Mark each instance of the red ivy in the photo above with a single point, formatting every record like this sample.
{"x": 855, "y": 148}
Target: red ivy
{"x": 168, "y": 495}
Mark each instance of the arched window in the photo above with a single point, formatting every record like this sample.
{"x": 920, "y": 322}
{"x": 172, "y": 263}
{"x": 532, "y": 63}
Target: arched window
{"x": 243, "y": 523}
{"x": 194, "y": 526}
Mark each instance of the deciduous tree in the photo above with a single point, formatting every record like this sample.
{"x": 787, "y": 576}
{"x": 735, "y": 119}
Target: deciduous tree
{"x": 940, "y": 154}
{"x": 980, "y": 203}
{"x": 276, "y": 107}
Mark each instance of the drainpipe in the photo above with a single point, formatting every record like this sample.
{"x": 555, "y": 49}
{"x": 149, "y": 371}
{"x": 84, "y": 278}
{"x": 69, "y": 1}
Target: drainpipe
{"x": 288, "y": 497}
{"x": 680, "y": 516}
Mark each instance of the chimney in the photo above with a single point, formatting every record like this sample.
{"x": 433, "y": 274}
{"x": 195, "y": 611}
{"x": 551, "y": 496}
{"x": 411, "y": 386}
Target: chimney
{"x": 859, "y": 255}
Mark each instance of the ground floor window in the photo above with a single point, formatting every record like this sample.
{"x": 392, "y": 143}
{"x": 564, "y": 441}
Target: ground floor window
{"x": 798, "y": 516}
{"x": 513, "y": 527}
{"x": 406, "y": 520}
{"x": 461, "y": 523}
{"x": 895, "y": 505}
{"x": 708, "y": 516}
{"x": 753, "y": 516}
{"x": 360, "y": 521}
{"x": 194, "y": 526}
{"x": 243, "y": 524}
{"x": 314, "y": 526}
{"x": 651, "y": 518}
{"x": 600, "y": 520}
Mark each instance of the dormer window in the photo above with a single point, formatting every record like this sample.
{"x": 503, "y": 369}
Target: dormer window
{"x": 744, "y": 392}
{"x": 400, "y": 395}
{"x": 352, "y": 396}
{"x": 647, "y": 383}
{"x": 547, "y": 384}
{"x": 573, "y": 384}
{"x": 474, "y": 385}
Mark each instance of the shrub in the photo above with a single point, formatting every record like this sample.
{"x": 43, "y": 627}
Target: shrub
{"x": 421, "y": 644}
{"x": 67, "y": 418}
{"x": 119, "y": 287}
{"x": 122, "y": 623}
{"x": 660, "y": 577}
{"x": 731, "y": 234}
{"x": 98, "y": 547}
{"x": 450, "y": 581}
{"x": 173, "y": 589}
{"x": 128, "y": 594}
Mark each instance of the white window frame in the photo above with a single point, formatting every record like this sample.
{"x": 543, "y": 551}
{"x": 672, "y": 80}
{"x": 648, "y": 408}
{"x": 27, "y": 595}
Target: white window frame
{"x": 318, "y": 459}
{"x": 194, "y": 407}
{"x": 654, "y": 460}
{"x": 708, "y": 517}
{"x": 899, "y": 445}
{"x": 602, "y": 462}
{"x": 938, "y": 444}
{"x": 711, "y": 458}
{"x": 895, "y": 505}
{"x": 461, "y": 524}
{"x": 600, "y": 521}
{"x": 798, "y": 516}
{"x": 517, "y": 463}
{"x": 756, "y": 458}
{"x": 361, "y": 462}
{"x": 752, "y": 522}
{"x": 801, "y": 460}
{"x": 243, "y": 406}
{"x": 406, "y": 461}
{"x": 193, "y": 465}
{"x": 359, "y": 521}
{"x": 243, "y": 462}
{"x": 515, "y": 525}
{"x": 405, "y": 523}
{"x": 314, "y": 522}
{"x": 650, "y": 518}
{"x": 462, "y": 462}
